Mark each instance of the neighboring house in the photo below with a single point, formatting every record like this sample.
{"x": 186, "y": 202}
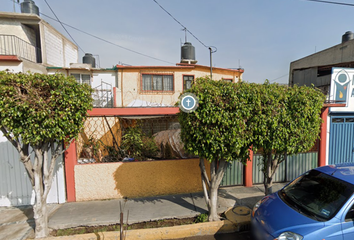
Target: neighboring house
{"x": 28, "y": 43}
{"x": 331, "y": 70}
{"x": 316, "y": 68}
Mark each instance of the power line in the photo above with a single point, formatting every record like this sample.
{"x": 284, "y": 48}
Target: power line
{"x": 63, "y": 26}
{"x": 184, "y": 28}
{"x": 104, "y": 40}
{"x": 279, "y": 77}
{"x": 330, "y": 2}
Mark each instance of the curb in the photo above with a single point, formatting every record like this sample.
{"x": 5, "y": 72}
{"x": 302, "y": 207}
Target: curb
{"x": 183, "y": 231}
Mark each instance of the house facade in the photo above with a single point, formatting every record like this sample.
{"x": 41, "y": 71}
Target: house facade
{"x": 142, "y": 86}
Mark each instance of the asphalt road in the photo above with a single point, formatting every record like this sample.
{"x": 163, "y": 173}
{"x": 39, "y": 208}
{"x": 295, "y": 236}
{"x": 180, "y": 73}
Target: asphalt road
{"x": 226, "y": 236}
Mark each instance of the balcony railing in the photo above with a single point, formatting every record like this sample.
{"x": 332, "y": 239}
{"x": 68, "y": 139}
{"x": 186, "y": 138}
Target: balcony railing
{"x": 103, "y": 96}
{"x": 13, "y": 45}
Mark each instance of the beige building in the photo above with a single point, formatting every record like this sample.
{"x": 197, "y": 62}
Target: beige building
{"x": 143, "y": 86}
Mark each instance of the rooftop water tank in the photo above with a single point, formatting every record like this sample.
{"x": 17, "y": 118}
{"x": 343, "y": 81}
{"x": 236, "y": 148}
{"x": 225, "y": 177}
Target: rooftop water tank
{"x": 347, "y": 36}
{"x": 188, "y": 53}
{"x": 89, "y": 59}
{"x": 28, "y": 6}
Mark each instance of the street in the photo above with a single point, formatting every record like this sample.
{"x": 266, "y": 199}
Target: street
{"x": 226, "y": 236}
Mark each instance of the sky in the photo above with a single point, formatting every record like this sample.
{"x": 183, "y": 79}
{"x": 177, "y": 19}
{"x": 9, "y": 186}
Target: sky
{"x": 261, "y": 36}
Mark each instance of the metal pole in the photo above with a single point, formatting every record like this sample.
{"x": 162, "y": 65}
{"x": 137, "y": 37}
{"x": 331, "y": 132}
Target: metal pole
{"x": 211, "y": 64}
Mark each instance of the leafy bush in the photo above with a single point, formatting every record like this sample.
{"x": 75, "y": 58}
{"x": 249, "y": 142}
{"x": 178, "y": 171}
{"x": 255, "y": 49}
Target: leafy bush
{"x": 202, "y": 218}
{"x": 137, "y": 145}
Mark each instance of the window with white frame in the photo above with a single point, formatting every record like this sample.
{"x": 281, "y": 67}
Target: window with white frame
{"x": 82, "y": 78}
{"x": 187, "y": 81}
{"x": 155, "y": 82}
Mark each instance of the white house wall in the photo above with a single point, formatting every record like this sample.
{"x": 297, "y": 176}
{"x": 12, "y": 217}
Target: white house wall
{"x": 107, "y": 77}
{"x": 70, "y": 54}
{"x": 14, "y": 67}
{"x": 59, "y": 51}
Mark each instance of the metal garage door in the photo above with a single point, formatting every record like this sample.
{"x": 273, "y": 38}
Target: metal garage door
{"x": 233, "y": 174}
{"x": 341, "y": 140}
{"x": 15, "y": 186}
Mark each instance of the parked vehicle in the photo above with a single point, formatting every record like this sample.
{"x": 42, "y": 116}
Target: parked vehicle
{"x": 317, "y": 205}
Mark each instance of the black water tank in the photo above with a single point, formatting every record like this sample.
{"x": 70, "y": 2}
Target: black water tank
{"x": 89, "y": 59}
{"x": 188, "y": 53}
{"x": 28, "y": 6}
{"x": 347, "y": 36}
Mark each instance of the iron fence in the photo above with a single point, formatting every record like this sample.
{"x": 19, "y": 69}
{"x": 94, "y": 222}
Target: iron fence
{"x": 103, "y": 96}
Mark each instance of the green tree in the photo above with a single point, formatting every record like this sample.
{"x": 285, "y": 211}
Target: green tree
{"x": 286, "y": 121}
{"x": 39, "y": 112}
{"x": 217, "y": 131}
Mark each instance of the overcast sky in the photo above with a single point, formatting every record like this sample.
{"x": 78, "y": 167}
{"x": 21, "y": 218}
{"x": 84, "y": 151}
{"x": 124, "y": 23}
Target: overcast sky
{"x": 261, "y": 36}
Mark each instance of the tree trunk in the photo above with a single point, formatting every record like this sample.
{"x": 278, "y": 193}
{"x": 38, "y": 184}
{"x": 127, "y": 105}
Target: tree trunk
{"x": 271, "y": 166}
{"x": 40, "y": 206}
{"x": 40, "y": 217}
{"x": 268, "y": 175}
{"x": 210, "y": 187}
{"x": 212, "y": 206}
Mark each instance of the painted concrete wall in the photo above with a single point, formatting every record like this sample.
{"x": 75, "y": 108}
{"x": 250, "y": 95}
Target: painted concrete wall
{"x": 104, "y": 76}
{"x": 137, "y": 179}
{"x": 57, "y": 50}
{"x": 9, "y": 27}
{"x": 11, "y": 65}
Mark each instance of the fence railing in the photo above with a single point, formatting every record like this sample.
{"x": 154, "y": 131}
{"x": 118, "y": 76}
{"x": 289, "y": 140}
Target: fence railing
{"x": 103, "y": 96}
{"x": 13, "y": 45}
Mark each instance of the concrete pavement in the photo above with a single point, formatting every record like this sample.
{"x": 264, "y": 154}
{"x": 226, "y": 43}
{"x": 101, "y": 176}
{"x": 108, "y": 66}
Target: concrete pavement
{"x": 18, "y": 222}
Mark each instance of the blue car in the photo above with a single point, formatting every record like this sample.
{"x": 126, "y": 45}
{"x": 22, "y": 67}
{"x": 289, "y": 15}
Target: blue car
{"x": 318, "y": 205}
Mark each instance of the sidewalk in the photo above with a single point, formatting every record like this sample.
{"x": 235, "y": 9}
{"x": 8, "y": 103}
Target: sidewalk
{"x": 17, "y": 222}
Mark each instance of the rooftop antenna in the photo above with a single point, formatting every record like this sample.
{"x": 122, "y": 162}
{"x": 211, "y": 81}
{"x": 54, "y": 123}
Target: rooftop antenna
{"x": 185, "y": 34}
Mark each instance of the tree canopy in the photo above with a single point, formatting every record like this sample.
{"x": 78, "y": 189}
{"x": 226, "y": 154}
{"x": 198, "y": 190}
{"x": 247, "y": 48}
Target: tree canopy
{"x": 38, "y": 107}
{"x": 286, "y": 122}
{"x": 218, "y": 129}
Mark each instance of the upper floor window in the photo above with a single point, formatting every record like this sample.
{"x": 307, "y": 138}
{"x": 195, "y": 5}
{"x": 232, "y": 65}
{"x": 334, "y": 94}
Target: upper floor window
{"x": 187, "y": 81}
{"x": 82, "y": 78}
{"x": 151, "y": 82}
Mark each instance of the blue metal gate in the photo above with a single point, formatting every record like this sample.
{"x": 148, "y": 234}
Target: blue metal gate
{"x": 341, "y": 140}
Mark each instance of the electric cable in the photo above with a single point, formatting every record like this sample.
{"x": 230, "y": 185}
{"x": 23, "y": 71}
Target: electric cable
{"x": 106, "y": 41}
{"x": 63, "y": 26}
{"x": 331, "y": 2}
{"x": 184, "y": 28}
